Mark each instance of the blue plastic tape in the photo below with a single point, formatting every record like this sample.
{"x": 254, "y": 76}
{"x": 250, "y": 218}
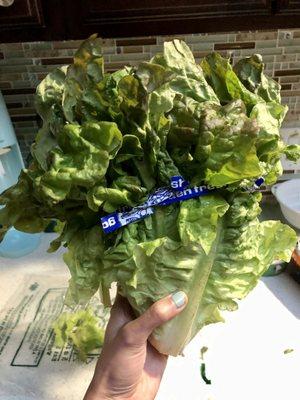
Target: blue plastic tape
{"x": 259, "y": 182}
{"x": 161, "y": 197}
{"x": 156, "y": 198}
{"x": 187, "y": 194}
{"x": 116, "y": 220}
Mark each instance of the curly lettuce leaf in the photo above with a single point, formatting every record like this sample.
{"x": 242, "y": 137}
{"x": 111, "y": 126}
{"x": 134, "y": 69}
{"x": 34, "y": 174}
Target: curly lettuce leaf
{"x": 21, "y": 209}
{"x": 250, "y": 71}
{"x": 222, "y": 78}
{"x": 217, "y": 145}
{"x": 84, "y": 260}
{"x": 261, "y": 95}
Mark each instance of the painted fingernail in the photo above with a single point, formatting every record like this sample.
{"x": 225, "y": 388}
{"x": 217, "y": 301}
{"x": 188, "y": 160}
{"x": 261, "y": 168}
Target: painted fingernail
{"x": 179, "y": 298}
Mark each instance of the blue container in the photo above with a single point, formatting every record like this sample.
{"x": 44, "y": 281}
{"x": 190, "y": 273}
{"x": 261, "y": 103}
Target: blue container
{"x": 17, "y": 244}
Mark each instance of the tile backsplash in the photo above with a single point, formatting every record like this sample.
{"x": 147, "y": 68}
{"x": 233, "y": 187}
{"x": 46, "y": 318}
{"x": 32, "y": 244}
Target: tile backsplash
{"x": 24, "y": 65}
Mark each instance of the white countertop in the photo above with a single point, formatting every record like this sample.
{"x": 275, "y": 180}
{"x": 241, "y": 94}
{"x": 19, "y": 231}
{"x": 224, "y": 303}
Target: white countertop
{"x": 245, "y": 358}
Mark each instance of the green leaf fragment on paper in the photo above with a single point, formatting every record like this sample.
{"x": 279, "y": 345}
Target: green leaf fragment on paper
{"x": 203, "y": 350}
{"x": 80, "y": 329}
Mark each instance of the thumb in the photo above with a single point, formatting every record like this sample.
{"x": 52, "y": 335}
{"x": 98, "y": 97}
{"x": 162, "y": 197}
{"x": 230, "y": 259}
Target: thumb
{"x": 137, "y": 331}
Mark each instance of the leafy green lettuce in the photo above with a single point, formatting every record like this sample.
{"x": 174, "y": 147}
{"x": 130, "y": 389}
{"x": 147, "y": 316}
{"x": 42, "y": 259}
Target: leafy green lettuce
{"x": 261, "y": 96}
{"x": 109, "y": 139}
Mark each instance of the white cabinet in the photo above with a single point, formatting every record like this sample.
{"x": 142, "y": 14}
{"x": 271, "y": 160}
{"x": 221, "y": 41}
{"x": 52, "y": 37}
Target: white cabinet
{"x": 10, "y": 167}
{"x": 7, "y": 133}
{"x": 11, "y": 162}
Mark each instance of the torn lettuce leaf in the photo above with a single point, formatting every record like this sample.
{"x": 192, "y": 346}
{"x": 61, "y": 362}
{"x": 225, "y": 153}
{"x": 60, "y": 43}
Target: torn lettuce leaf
{"x": 81, "y": 329}
{"x": 292, "y": 152}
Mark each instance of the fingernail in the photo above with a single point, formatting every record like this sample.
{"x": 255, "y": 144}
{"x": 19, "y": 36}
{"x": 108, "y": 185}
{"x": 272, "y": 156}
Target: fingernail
{"x": 179, "y": 298}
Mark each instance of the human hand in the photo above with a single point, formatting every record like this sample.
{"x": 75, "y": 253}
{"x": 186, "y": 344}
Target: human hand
{"x": 129, "y": 367}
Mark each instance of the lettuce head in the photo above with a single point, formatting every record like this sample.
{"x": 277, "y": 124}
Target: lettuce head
{"x": 108, "y": 140}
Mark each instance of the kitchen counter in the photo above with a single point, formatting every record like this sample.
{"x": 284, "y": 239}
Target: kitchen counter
{"x": 245, "y": 357}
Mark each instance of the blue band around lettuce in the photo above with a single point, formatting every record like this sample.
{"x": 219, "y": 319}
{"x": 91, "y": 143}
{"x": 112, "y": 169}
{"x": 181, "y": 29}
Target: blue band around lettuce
{"x": 178, "y": 191}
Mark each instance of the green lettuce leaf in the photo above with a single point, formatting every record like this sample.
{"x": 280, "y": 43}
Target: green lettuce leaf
{"x": 16, "y": 200}
{"x": 221, "y": 76}
{"x": 84, "y": 259}
{"x": 250, "y": 71}
{"x": 222, "y": 143}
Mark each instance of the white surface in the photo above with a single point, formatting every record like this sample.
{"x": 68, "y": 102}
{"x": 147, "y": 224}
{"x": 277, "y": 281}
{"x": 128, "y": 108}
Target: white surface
{"x": 245, "y": 358}
{"x": 288, "y": 196}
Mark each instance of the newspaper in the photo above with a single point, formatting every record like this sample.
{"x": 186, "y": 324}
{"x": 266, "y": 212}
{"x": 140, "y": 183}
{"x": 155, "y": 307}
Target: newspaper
{"x": 31, "y": 367}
